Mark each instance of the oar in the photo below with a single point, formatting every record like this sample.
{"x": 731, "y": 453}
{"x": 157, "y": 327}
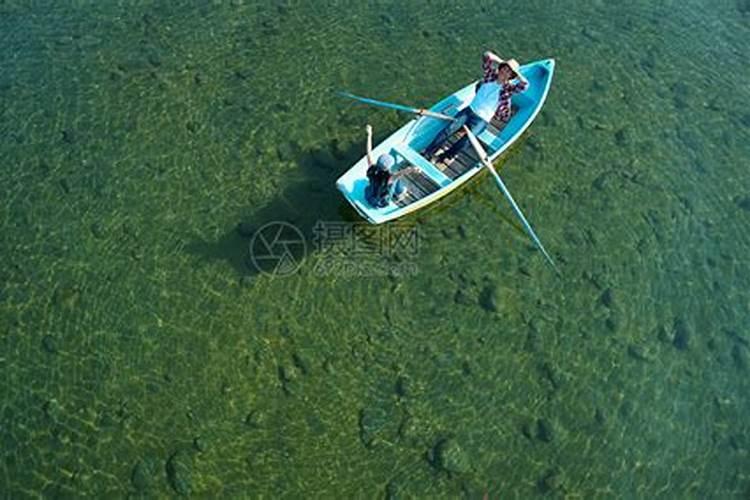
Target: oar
{"x": 399, "y": 107}
{"x": 487, "y": 163}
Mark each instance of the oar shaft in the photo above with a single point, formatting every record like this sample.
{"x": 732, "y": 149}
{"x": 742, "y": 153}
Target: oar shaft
{"x": 433, "y": 114}
{"x": 488, "y": 164}
{"x": 398, "y": 107}
{"x": 516, "y": 209}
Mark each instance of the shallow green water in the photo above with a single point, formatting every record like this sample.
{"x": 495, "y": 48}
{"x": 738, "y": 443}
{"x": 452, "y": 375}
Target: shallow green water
{"x": 141, "y": 355}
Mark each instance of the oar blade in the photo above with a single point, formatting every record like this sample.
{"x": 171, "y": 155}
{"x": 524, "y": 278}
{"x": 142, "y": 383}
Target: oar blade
{"x": 488, "y": 164}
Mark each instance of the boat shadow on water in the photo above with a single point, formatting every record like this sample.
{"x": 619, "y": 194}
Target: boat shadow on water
{"x": 310, "y": 197}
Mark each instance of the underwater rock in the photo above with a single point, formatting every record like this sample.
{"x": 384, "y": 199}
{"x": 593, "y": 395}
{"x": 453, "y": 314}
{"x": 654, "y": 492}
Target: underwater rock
{"x": 373, "y": 421}
{"x": 243, "y": 73}
{"x": 255, "y": 419}
{"x": 626, "y": 409}
{"x": 408, "y": 429}
{"x": 743, "y": 203}
{"x": 739, "y": 357}
{"x": 682, "y": 334}
{"x": 49, "y": 344}
{"x": 591, "y": 34}
{"x": 550, "y": 374}
{"x": 551, "y": 481}
{"x": 67, "y": 296}
{"x": 153, "y": 58}
{"x": 602, "y": 181}
{"x": 392, "y": 489}
{"x": 612, "y": 323}
{"x": 288, "y": 376}
{"x": 742, "y": 338}
{"x": 665, "y": 334}
{"x": 377, "y": 423}
{"x": 621, "y": 138}
{"x": 528, "y": 429}
{"x": 545, "y": 430}
{"x": 386, "y": 19}
{"x": 286, "y": 331}
{"x": 639, "y": 352}
{"x": 648, "y": 65}
{"x": 97, "y": 229}
{"x": 68, "y": 136}
{"x": 600, "y": 417}
{"x": 286, "y": 151}
{"x": 488, "y": 299}
{"x": 65, "y": 185}
{"x": 52, "y": 409}
{"x": 744, "y": 7}
{"x": 462, "y": 297}
{"x": 447, "y": 455}
{"x": 403, "y": 387}
{"x": 534, "y": 143}
{"x": 301, "y": 363}
{"x": 180, "y": 472}
{"x": 533, "y": 341}
{"x": 607, "y": 298}
{"x": 143, "y": 473}
{"x": 316, "y": 426}
{"x": 199, "y": 444}
{"x": 681, "y": 93}
{"x": 711, "y": 344}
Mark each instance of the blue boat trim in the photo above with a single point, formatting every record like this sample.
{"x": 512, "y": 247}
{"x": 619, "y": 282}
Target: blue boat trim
{"x": 416, "y": 134}
{"x": 422, "y": 163}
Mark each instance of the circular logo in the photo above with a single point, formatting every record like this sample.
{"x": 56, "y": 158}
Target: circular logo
{"x": 277, "y": 248}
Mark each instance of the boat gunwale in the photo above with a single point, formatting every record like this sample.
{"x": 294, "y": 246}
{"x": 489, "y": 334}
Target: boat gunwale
{"x": 465, "y": 176}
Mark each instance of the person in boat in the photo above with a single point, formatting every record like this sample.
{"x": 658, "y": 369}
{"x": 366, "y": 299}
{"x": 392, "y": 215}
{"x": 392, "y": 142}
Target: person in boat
{"x": 385, "y": 185}
{"x": 500, "y": 81}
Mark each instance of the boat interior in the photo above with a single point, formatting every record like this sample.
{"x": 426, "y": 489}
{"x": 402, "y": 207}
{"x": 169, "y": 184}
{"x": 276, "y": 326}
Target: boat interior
{"x": 430, "y": 174}
{"x": 433, "y": 175}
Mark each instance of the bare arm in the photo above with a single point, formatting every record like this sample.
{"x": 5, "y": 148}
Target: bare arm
{"x": 490, "y": 64}
{"x": 369, "y": 145}
{"x": 491, "y": 56}
{"x": 522, "y": 84}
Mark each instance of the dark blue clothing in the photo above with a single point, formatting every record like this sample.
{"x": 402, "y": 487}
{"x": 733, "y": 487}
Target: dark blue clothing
{"x": 377, "y": 191}
{"x": 464, "y": 117}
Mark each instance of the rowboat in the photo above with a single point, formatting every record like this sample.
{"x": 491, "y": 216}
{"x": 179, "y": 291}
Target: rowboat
{"x": 431, "y": 179}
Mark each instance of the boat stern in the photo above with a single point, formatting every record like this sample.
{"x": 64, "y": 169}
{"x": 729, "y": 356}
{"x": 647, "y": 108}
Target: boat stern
{"x": 353, "y": 190}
